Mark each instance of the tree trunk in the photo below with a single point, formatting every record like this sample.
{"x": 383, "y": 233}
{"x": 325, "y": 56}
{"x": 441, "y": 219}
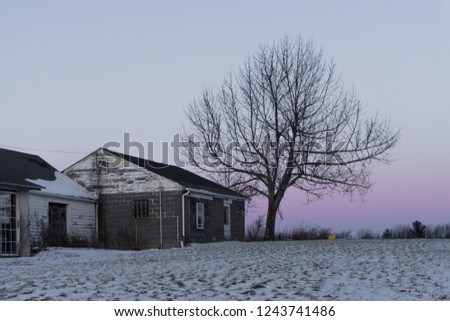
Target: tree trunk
{"x": 269, "y": 234}
{"x": 273, "y": 205}
{"x": 272, "y": 211}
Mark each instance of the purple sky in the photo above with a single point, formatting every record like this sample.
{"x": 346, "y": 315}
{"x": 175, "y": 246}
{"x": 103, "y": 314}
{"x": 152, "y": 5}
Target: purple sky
{"x": 74, "y": 75}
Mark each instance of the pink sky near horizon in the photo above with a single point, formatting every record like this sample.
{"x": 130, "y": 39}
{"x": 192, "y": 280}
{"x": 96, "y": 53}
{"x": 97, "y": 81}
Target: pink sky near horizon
{"x": 394, "y": 200}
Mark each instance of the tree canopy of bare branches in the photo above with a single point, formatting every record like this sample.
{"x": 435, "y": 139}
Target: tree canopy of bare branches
{"x": 285, "y": 119}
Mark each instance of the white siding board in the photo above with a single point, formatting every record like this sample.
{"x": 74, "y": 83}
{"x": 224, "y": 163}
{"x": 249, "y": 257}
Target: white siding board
{"x": 80, "y": 216}
{"x": 38, "y": 217}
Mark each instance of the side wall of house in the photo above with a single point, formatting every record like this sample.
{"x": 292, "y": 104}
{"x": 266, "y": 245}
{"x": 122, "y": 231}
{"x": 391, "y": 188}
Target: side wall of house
{"x": 80, "y": 217}
{"x": 213, "y": 230}
{"x": 23, "y": 230}
{"x": 120, "y": 228}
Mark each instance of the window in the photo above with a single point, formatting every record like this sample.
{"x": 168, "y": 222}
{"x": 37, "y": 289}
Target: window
{"x": 8, "y": 224}
{"x": 200, "y": 216}
{"x": 141, "y": 208}
{"x": 226, "y": 215}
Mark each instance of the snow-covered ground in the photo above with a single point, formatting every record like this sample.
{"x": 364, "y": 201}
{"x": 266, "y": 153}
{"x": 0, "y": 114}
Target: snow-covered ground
{"x": 310, "y": 270}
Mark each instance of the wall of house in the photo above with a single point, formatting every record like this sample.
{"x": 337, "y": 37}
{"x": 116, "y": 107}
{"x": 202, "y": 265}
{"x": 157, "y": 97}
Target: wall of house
{"x": 126, "y": 177}
{"x": 212, "y": 229}
{"x": 119, "y": 228}
{"x": 23, "y": 232}
{"x": 214, "y": 220}
{"x": 81, "y": 217}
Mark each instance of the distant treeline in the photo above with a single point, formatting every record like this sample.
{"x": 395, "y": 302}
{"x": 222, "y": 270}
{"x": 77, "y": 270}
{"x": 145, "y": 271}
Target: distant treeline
{"x": 255, "y": 232}
{"x": 417, "y": 229}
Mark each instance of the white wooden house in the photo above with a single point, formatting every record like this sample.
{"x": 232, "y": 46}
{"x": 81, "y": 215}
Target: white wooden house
{"x": 37, "y": 202}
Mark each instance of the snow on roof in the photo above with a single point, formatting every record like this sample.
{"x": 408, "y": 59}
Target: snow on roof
{"x": 63, "y": 186}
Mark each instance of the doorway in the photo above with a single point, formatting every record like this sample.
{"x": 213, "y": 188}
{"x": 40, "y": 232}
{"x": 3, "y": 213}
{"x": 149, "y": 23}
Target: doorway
{"x": 57, "y": 224}
{"x": 227, "y": 222}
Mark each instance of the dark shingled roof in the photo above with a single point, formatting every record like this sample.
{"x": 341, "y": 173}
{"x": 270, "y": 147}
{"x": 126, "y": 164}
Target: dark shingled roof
{"x": 16, "y": 167}
{"x": 179, "y": 175}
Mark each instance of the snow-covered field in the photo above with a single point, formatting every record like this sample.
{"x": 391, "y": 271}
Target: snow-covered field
{"x": 310, "y": 270}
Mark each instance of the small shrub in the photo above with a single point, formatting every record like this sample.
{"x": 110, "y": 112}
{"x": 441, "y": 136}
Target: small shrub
{"x": 346, "y": 234}
{"x": 48, "y": 238}
{"x": 366, "y": 234}
{"x": 255, "y": 230}
{"x": 310, "y": 232}
{"x": 387, "y": 234}
{"x": 401, "y": 232}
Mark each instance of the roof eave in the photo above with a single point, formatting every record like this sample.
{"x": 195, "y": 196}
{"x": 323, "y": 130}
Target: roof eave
{"x": 215, "y": 194}
{"x": 68, "y": 197}
{"x": 30, "y": 186}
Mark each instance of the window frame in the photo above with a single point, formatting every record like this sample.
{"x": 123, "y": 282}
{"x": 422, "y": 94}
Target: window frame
{"x": 227, "y": 214}
{"x": 141, "y": 208}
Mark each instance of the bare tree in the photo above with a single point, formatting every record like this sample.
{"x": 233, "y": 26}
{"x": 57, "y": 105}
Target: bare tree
{"x": 286, "y": 120}
{"x": 255, "y": 230}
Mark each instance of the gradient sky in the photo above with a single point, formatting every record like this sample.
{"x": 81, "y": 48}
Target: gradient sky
{"x": 77, "y": 74}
